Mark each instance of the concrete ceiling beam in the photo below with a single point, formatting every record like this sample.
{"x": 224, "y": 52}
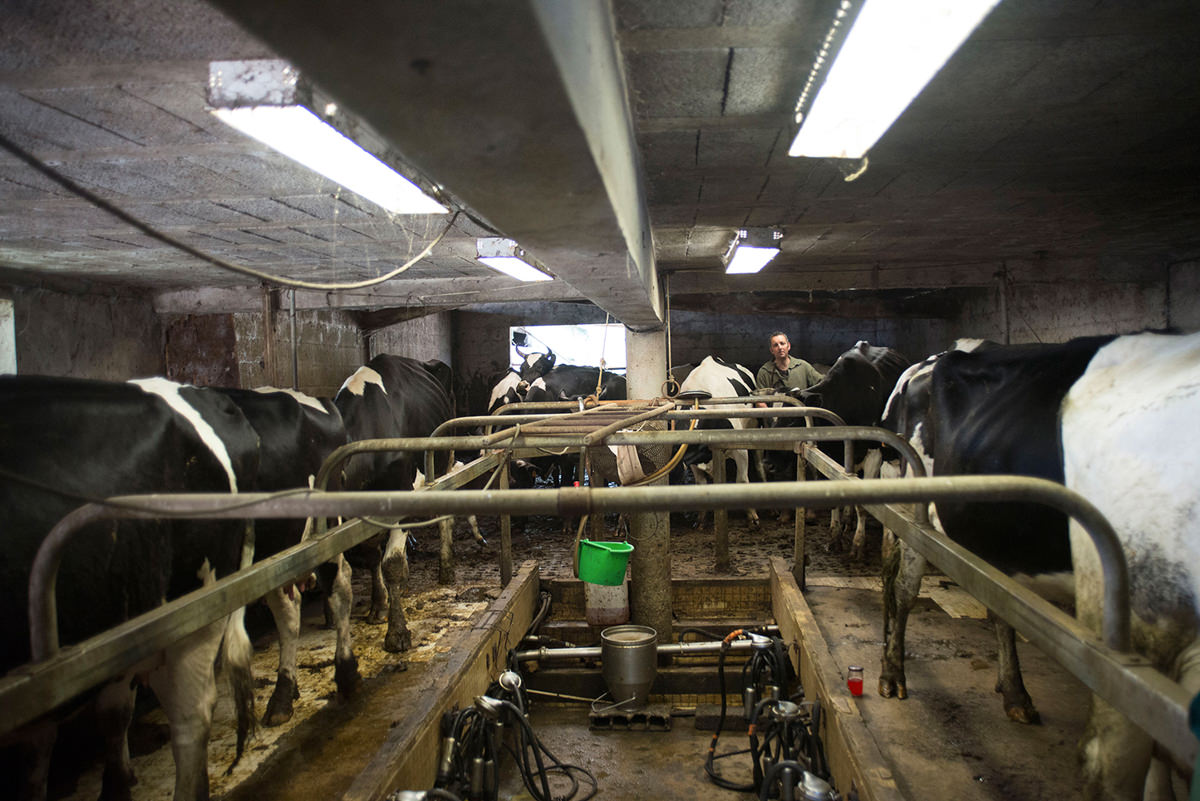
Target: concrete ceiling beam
{"x": 519, "y": 110}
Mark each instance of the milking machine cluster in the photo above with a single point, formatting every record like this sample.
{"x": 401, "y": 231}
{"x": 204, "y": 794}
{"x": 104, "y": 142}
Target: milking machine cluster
{"x": 786, "y": 753}
{"x": 474, "y": 738}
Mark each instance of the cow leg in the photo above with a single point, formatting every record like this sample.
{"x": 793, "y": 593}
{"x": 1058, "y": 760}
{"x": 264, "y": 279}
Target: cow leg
{"x": 286, "y": 612}
{"x": 1017, "y": 703}
{"x": 35, "y": 748}
{"x": 473, "y": 522}
{"x": 1114, "y": 753}
{"x": 186, "y": 687}
{"x": 741, "y": 460}
{"x": 114, "y": 714}
{"x": 394, "y": 571}
{"x": 889, "y": 543}
{"x": 446, "y": 553}
{"x": 341, "y": 602}
{"x": 902, "y": 575}
{"x": 1118, "y": 760}
{"x": 870, "y": 469}
{"x": 379, "y": 595}
{"x": 700, "y": 477}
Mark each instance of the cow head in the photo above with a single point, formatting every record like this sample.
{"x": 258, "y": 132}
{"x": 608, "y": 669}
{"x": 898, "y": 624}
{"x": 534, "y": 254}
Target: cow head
{"x": 536, "y": 365}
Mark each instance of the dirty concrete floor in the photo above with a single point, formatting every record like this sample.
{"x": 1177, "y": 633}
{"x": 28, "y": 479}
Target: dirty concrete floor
{"x": 950, "y": 738}
{"x": 632, "y": 764}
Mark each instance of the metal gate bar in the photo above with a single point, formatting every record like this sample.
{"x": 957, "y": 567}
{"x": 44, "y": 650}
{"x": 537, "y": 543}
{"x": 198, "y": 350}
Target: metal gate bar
{"x": 39, "y": 688}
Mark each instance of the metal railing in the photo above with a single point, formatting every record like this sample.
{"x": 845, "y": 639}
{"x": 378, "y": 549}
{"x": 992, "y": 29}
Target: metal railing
{"x": 1127, "y": 681}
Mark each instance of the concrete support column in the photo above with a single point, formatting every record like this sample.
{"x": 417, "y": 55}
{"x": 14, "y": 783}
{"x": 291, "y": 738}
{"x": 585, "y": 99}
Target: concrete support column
{"x": 650, "y": 532}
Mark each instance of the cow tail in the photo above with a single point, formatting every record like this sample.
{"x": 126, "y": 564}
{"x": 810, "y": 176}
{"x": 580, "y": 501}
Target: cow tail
{"x": 235, "y": 657}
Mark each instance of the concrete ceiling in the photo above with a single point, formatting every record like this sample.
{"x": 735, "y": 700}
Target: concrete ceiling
{"x": 621, "y": 146}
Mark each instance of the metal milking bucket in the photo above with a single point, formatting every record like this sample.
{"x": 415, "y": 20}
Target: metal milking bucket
{"x": 629, "y": 663}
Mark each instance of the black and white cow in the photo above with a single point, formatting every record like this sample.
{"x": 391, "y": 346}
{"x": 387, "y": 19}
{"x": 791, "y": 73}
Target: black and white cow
{"x": 391, "y": 396}
{"x": 569, "y": 382}
{"x": 720, "y": 379}
{"x": 511, "y": 388}
{"x": 296, "y": 433}
{"x": 1105, "y": 415}
{"x": 856, "y": 387}
{"x": 63, "y": 441}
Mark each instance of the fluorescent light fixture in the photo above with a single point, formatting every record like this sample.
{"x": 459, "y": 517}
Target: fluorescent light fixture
{"x": 266, "y": 100}
{"x": 751, "y": 250}
{"x": 893, "y": 50}
{"x": 504, "y": 255}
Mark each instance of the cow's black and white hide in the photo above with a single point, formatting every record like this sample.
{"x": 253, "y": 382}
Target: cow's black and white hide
{"x": 856, "y": 387}
{"x": 390, "y": 396}
{"x": 720, "y": 379}
{"x": 1130, "y": 447}
{"x": 570, "y": 382}
{"x": 992, "y": 410}
{"x": 63, "y": 441}
{"x": 511, "y": 388}
{"x": 296, "y": 433}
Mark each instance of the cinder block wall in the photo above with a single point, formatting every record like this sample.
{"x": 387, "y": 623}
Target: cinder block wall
{"x": 328, "y": 346}
{"x": 423, "y": 338}
{"x": 113, "y": 336}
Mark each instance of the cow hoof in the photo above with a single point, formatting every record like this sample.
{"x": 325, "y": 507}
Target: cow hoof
{"x": 279, "y": 707}
{"x": 1023, "y": 713}
{"x": 889, "y": 687}
{"x": 397, "y": 642}
{"x": 346, "y": 677}
{"x": 277, "y": 714}
{"x": 377, "y": 617}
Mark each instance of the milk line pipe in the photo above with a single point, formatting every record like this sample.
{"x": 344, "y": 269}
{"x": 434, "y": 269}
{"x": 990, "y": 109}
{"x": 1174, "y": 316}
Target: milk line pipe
{"x": 599, "y": 434}
{"x": 752, "y": 438}
{"x": 579, "y": 501}
{"x": 572, "y": 405}
{"x": 678, "y": 414}
{"x": 686, "y": 413}
{"x": 664, "y": 649}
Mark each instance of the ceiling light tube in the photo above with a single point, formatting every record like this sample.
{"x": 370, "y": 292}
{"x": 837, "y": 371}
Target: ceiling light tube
{"x": 267, "y": 100}
{"x": 505, "y": 256}
{"x": 751, "y": 250}
{"x": 893, "y": 50}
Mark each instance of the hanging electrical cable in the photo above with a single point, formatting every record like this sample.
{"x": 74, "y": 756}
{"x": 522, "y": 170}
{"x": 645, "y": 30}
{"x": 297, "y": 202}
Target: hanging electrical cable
{"x": 166, "y": 239}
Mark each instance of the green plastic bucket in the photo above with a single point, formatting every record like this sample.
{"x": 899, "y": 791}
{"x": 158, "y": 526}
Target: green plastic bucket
{"x": 603, "y": 562}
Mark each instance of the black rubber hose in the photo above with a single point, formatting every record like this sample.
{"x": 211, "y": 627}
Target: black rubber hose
{"x": 709, "y": 762}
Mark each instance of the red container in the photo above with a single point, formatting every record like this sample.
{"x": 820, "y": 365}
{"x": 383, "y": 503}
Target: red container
{"x": 854, "y": 680}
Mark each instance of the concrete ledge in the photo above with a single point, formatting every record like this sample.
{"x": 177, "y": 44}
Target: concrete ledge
{"x": 854, "y": 757}
{"x": 407, "y": 759}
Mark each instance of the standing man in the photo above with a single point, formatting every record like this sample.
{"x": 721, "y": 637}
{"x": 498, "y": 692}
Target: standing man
{"x": 785, "y": 372}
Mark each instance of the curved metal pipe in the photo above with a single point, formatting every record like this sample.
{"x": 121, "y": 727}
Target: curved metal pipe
{"x": 579, "y": 501}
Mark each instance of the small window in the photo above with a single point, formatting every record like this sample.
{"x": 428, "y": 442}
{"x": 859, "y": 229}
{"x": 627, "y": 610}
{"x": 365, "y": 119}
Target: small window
{"x": 8, "y": 338}
{"x": 571, "y": 344}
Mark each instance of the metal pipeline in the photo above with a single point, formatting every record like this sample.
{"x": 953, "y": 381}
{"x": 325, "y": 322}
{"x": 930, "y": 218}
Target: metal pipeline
{"x": 721, "y": 438}
{"x": 664, "y": 649}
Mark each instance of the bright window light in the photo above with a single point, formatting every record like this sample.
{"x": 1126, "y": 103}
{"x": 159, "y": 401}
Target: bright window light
{"x": 300, "y": 135}
{"x": 751, "y": 249}
{"x": 893, "y": 50}
{"x": 587, "y": 344}
{"x": 514, "y": 267}
{"x": 749, "y": 259}
{"x": 504, "y": 255}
